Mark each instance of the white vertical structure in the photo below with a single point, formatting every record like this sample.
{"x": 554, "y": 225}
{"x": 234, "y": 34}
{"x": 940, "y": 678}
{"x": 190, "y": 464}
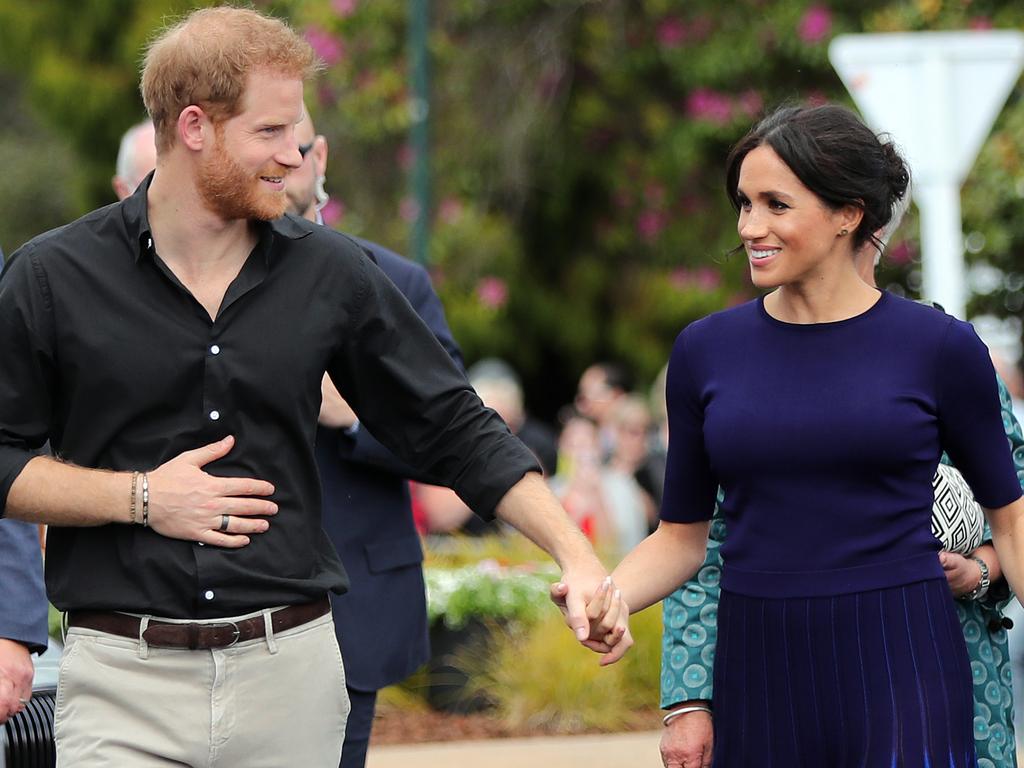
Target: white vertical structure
{"x": 937, "y": 94}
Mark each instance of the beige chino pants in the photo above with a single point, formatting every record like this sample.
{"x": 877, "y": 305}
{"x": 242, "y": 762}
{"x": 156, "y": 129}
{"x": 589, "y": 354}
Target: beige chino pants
{"x": 274, "y": 702}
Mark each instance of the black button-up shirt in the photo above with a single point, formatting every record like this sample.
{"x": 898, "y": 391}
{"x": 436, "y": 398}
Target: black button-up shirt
{"x": 110, "y": 358}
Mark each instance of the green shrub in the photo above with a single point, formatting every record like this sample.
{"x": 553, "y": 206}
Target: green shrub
{"x": 541, "y": 678}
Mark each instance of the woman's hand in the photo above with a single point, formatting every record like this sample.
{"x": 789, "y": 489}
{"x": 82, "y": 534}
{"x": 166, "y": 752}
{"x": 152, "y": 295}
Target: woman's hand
{"x": 608, "y": 618}
{"x": 962, "y": 573}
{"x": 687, "y": 741}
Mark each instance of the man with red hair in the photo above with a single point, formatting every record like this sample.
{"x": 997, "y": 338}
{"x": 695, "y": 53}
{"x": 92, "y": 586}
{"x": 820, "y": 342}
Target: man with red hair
{"x": 171, "y": 349}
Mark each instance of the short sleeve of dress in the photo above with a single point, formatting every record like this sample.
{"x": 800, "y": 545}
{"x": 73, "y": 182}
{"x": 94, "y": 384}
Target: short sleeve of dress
{"x": 690, "y": 485}
{"x": 970, "y": 420}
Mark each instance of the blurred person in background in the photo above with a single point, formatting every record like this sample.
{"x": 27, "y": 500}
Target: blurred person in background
{"x": 136, "y": 158}
{"x": 651, "y": 472}
{"x": 499, "y": 388}
{"x": 600, "y": 387}
{"x": 578, "y": 482}
{"x": 629, "y": 507}
{"x": 23, "y": 609}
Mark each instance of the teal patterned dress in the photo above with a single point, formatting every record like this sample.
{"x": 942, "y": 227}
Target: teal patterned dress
{"x": 690, "y": 634}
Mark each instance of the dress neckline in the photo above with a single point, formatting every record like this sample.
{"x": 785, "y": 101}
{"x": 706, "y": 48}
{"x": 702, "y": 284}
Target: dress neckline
{"x": 883, "y": 298}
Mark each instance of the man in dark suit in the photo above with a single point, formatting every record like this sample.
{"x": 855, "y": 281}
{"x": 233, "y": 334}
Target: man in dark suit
{"x": 22, "y": 610}
{"x": 381, "y": 621}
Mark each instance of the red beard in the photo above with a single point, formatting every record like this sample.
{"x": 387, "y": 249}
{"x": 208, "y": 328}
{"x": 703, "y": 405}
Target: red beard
{"x": 233, "y": 193}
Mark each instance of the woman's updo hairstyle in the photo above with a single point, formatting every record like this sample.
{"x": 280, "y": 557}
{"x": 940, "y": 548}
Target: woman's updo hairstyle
{"x": 835, "y": 156}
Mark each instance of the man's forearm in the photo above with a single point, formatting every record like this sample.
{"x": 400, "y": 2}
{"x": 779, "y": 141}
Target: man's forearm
{"x": 53, "y": 492}
{"x": 183, "y": 501}
{"x": 531, "y": 508}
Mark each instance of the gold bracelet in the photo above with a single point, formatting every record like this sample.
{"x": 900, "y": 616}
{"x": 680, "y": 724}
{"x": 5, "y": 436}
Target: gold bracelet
{"x": 135, "y": 483}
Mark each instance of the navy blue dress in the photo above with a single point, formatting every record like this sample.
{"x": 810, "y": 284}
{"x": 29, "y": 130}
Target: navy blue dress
{"x": 838, "y": 638}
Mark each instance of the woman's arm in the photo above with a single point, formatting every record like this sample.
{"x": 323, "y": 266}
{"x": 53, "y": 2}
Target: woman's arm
{"x": 1007, "y": 524}
{"x": 964, "y": 574}
{"x": 659, "y": 564}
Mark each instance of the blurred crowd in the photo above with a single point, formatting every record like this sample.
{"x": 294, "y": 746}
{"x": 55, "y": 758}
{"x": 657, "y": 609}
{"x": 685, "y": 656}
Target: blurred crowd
{"x": 604, "y": 460}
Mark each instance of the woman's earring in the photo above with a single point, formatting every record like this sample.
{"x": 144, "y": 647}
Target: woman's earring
{"x": 844, "y": 232}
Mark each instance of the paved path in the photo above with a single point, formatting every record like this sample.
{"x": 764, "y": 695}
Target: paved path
{"x": 617, "y": 750}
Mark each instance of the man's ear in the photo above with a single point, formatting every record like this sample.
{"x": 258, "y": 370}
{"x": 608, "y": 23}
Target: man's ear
{"x": 319, "y": 151}
{"x": 194, "y": 127}
{"x": 120, "y": 188}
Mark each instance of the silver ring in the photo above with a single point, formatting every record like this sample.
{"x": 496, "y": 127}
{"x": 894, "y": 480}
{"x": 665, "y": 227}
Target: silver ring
{"x": 224, "y": 520}
{"x": 24, "y": 701}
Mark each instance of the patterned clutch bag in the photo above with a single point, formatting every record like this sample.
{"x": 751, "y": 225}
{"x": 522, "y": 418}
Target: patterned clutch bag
{"x": 958, "y": 521}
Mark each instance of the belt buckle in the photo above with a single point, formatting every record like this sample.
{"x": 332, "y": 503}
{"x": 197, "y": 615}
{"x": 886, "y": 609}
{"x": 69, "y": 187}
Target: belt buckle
{"x": 237, "y": 632}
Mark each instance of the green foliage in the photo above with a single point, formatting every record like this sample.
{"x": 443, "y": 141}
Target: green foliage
{"x": 80, "y": 65}
{"x": 577, "y": 148}
{"x": 488, "y": 592}
{"x": 540, "y": 677}
{"x": 36, "y": 195}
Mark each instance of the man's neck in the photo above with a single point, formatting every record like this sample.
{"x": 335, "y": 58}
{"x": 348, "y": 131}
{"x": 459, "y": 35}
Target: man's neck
{"x": 187, "y": 235}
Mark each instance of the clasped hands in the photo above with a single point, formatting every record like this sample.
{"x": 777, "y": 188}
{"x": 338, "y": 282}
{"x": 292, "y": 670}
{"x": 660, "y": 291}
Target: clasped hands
{"x": 599, "y": 617}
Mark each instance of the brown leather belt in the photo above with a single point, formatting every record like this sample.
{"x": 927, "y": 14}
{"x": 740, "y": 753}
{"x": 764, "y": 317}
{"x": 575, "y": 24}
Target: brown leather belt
{"x": 196, "y": 635}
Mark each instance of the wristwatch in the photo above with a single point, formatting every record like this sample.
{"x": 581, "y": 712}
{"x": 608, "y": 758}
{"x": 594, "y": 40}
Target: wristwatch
{"x": 982, "y": 589}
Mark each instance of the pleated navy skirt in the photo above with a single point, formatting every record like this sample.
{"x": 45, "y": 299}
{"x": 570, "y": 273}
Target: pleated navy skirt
{"x": 876, "y": 679}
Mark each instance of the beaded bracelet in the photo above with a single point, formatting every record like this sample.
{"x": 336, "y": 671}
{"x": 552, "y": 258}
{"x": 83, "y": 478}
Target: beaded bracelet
{"x": 684, "y": 710}
{"x": 145, "y": 500}
{"x": 135, "y": 483}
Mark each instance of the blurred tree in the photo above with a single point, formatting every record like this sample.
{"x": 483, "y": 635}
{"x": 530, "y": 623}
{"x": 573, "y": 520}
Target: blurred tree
{"x": 37, "y": 170}
{"x": 79, "y": 62}
{"x": 577, "y": 148}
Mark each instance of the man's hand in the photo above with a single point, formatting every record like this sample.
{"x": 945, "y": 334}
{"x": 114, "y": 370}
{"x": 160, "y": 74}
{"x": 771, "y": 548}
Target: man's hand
{"x": 962, "y": 573}
{"x": 530, "y": 507}
{"x": 187, "y": 503}
{"x": 15, "y": 678}
{"x": 604, "y": 627}
{"x": 687, "y": 741}
{"x": 335, "y": 412}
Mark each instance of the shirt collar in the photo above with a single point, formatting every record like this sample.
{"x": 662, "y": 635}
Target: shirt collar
{"x": 135, "y": 210}
{"x": 136, "y": 219}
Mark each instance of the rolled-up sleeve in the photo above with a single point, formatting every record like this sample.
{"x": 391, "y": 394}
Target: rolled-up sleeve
{"x": 27, "y": 369}
{"x": 405, "y": 388}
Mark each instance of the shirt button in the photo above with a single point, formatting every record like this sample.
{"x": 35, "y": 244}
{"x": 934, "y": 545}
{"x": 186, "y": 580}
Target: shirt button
{"x": 215, "y": 350}
{"x": 214, "y": 415}
{"x": 208, "y": 594}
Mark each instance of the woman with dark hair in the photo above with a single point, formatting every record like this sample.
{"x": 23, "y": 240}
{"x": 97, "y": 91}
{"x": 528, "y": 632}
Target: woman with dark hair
{"x": 822, "y": 409}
